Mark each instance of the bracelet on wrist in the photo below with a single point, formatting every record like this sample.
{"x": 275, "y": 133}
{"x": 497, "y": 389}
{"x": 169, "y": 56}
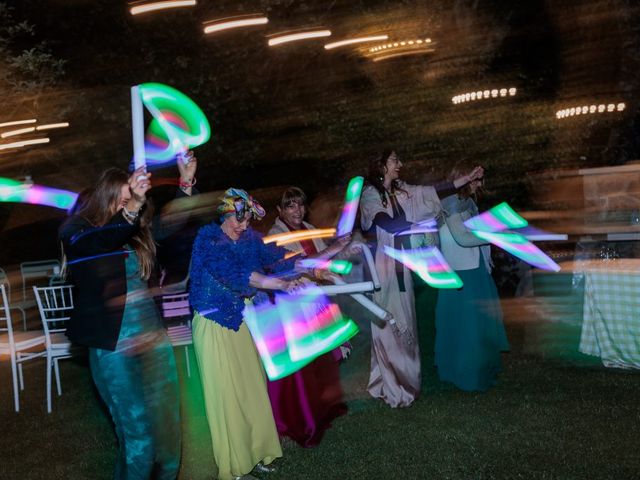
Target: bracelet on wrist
{"x": 185, "y": 184}
{"x": 130, "y": 216}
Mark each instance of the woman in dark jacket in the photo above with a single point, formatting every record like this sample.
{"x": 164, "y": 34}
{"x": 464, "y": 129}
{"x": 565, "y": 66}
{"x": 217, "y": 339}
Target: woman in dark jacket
{"x": 110, "y": 254}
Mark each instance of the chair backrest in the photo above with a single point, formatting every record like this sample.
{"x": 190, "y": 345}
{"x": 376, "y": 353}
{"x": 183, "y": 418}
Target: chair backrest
{"x": 5, "y": 315}
{"x": 39, "y": 269}
{"x": 175, "y": 305}
{"x": 4, "y": 280}
{"x": 55, "y": 305}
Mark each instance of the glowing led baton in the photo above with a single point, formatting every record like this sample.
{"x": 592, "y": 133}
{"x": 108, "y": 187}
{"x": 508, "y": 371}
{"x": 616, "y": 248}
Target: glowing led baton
{"x": 429, "y": 264}
{"x": 350, "y": 208}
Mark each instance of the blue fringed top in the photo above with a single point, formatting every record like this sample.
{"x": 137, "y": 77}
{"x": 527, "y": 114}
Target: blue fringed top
{"x": 220, "y": 271}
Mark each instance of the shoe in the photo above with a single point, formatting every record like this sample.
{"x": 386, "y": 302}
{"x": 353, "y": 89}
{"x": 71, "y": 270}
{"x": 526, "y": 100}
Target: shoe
{"x": 248, "y": 476}
{"x": 262, "y": 468}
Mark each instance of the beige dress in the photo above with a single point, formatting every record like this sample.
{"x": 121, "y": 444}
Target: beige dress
{"x": 395, "y": 360}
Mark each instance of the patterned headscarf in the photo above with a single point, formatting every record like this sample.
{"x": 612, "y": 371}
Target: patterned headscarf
{"x": 238, "y": 202}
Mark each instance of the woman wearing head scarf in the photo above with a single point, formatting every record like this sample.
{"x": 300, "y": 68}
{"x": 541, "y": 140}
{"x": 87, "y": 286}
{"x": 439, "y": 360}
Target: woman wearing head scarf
{"x": 307, "y": 401}
{"x": 469, "y": 331}
{"x": 230, "y": 263}
{"x": 110, "y": 253}
{"x": 389, "y": 206}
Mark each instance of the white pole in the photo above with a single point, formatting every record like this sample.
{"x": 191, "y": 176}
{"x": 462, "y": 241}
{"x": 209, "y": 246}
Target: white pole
{"x": 137, "y": 126}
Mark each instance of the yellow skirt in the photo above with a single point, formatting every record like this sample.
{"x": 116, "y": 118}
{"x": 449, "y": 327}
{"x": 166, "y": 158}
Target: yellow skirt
{"x": 243, "y": 431}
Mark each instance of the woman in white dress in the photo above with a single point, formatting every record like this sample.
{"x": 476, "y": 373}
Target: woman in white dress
{"x": 388, "y": 206}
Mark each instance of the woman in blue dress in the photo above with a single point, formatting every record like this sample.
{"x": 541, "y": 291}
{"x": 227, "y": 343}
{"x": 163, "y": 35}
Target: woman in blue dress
{"x": 110, "y": 254}
{"x": 469, "y": 331}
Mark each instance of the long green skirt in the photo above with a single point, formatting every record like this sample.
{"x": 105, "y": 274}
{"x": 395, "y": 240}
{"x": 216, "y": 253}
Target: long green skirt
{"x": 243, "y": 432}
{"x": 469, "y": 332}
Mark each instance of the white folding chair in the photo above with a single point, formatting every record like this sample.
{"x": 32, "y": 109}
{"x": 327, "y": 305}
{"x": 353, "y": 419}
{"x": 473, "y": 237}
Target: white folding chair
{"x": 55, "y": 305}
{"x": 4, "y": 280}
{"x": 20, "y": 346}
{"x": 173, "y": 307}
{"x": 41, "y": 269}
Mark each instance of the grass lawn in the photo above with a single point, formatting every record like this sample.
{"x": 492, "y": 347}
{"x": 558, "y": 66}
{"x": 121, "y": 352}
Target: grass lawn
{"x": 548, "y": 418}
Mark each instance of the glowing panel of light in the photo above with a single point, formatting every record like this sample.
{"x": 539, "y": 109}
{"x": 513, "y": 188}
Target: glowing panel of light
{"x": 286, "y": 238}
{"x": 17, "y": 122}
{"x": 155, "y": 6}
{"x": 484, "y": 94}
{"x": 590, "y": 109}
{"x": 218, "y": 26}
{"x": 178, "y": 123}
{"x": 19, "y": 131}
{"x": 350, "y": 208}
{"x": 429, "y": 264}
{"x": 520, "y": 247}
{"x": 296, "y": 330}
{"x": 51, "y": 126}
{"x": 16, "y": 192}
{"x": 24, "y": 143}
{"x": 294, "y": 37}
{"x": 352, "y": 41}
{"x": 500, "y": 217}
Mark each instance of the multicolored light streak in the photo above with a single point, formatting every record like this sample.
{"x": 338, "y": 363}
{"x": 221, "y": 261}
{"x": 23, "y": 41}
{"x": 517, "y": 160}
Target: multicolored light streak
{"x": 520, "y": 247}
{"x": 178, "y": 123}
{"x": 491, "y": 225}
{"x": 429, "y": 264}
{"x": 286, "y": 238}
{"x": 341, "y": 267}
{"x": 296, "y": 330}
{"x": 500, "y": 217}
{"x": 13, "y": 191}
{"x": 350, "y": 208}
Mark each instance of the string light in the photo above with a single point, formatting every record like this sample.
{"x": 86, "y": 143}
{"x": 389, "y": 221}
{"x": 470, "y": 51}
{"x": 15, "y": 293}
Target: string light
{"x": 484, "y": 94}
{"x": 51, "y": 126}
{"x": 220, "y": 25}
{"x": 17, "y": 122}
{"x": 24, "y": 143}
{"x": 590, "y": 109}
{"x": 293, "y": 37}
{"x": 19, "y": 131}
{"x": 403, "y": 43}
{"x": 152, "y": 7}
{"x": 351, "y": 41}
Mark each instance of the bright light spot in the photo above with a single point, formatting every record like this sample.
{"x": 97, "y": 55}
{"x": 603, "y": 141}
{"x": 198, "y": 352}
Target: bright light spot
{"x": 293, "y": 37}
{"x": 245, "y": 22}
{"x": 351, "y": 41}
{"x": 151, "y": 7}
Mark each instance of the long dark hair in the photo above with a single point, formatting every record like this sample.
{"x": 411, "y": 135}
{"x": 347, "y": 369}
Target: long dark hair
{"x": 376, "y": 172}
{"x": 101, "y": 204}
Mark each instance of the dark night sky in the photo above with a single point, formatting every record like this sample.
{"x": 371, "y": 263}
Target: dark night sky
{"x": 301, "y": 115}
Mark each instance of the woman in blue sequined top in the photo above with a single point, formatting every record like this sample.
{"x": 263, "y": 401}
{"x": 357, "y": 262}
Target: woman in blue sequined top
{"x": 230, "y": 264}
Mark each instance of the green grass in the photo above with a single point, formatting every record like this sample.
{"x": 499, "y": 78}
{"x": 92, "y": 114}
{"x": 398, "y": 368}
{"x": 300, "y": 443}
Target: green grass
{"x": 547, "y": 419}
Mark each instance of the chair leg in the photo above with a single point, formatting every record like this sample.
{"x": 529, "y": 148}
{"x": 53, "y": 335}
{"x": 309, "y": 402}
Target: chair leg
{"x": 56, "y": 369}
{"x": 16, "y": 398}
{"x": 20, "y": 377}
{"x": 186, "y": 356}
{"x": 49, "y": 366}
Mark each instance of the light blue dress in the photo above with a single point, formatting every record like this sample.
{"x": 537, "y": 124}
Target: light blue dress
{"x": 139, "y": 384}
{"x": 469, "y": 331}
